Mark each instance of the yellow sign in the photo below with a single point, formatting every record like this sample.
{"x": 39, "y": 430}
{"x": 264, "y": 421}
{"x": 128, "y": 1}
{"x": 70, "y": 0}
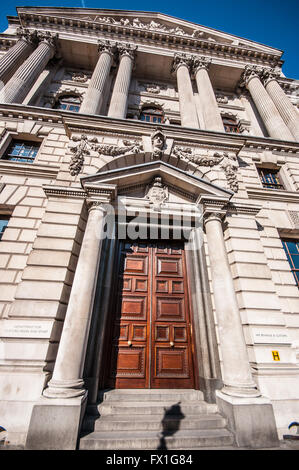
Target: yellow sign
{"x": 275, "y": 355}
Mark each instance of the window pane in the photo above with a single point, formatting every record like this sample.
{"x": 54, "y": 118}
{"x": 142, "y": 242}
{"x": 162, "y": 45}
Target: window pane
{"x": 21, "y": 151}
{"x": 292, "y": 252}
{"x": 293, "y": 247}
{"x": 3, "y": 225}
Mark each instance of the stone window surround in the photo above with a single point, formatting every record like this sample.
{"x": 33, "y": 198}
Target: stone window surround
{"x": 9, "y": 136}
{"x": 287, "y": 186}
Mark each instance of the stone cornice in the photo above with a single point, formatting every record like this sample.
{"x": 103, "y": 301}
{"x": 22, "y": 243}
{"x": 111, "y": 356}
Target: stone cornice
{"x": 161, "y": 38}
{"x": 94, "y": 193}
{"x": 82, "y": 123}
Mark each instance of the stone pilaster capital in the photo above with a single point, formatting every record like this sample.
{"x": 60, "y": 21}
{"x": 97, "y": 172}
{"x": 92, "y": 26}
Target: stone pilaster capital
{"x": 182, "y": 59}
{"x": 128, "y": 50}
{"x": 201, "y": 63}
{"x": 31, "y": 37}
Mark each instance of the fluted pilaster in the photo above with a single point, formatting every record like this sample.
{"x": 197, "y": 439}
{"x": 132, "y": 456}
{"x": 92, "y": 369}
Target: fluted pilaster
{"x": 181, "y": 65}
{"x": 20, "y": 83}
{"x": 16, "y": 55}
{"x": 265, "y": 106}
{"x": 283, "y": 104}
{"x": 93, "y": 99}
{"x": 208, "y": 103}
{"x": 118, "y": 103}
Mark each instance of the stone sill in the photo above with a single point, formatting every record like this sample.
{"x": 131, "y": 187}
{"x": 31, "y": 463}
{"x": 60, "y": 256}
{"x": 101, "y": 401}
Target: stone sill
{"x": 29, "y": 169}
{"x": 272, "y": 194}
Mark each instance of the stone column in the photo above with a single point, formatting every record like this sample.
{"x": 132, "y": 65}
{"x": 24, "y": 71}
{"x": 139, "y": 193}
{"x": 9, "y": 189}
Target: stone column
{"x": 20, "y": 83}
{"x": 118, "y": 103}
{"x": 210, "y": 110}
{"x": 237, "y": 376}
{"x": 93, "y": 99}
{"x": 283, "y": 104}
{"x": 67, "y": 379}
{"x": 265, "y": 106}
{"x": 17, "y": 54}
{"x": 182, "y": 65}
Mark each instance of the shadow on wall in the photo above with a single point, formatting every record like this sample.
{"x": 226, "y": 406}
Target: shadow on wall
{"x": 170, "y": 423}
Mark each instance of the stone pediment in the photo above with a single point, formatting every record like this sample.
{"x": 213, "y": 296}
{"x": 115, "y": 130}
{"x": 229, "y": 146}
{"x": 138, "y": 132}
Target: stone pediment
{"x": 143, "y": 175}
{"x": 120, "y": 20}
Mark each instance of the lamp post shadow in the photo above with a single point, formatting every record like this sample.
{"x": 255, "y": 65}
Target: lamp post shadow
{"x": 170, "y": 423}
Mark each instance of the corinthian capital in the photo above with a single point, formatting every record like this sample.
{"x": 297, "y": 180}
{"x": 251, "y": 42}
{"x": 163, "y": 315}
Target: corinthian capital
{"x": 269, "y": 74}
{"x": 49, "y": 38}
{"x": 107, "y": 46}
{"x": 28, "y": 36}
{"x": 201, "y": 63}
{"x": 182, "y": 59}
{"x": 127, "y": 50}
{"x": 250, "y": 72}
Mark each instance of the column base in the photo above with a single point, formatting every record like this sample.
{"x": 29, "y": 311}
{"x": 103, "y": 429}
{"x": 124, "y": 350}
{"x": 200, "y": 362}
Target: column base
{"x": 64, "y": 389}
{"x": 250, "y": 419}
{"x": 241, "y": 391}
{"x": 55, "y": 424}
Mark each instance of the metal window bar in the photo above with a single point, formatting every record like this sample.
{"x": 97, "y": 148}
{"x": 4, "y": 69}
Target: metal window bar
{"x": 270, "y": 179}
{"x": 20, "y": 151}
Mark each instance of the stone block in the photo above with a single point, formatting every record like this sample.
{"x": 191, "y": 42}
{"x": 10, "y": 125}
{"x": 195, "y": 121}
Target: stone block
{"x": 55, "y": 425}
{"x": 251, "y": 420}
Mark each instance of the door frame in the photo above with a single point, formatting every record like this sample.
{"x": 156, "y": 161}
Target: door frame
{"x": 206, "y": 363}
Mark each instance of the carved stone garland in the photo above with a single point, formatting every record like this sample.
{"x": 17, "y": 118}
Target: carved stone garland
{"x": 82, "y": 149}
{"x": 228, "y": 163}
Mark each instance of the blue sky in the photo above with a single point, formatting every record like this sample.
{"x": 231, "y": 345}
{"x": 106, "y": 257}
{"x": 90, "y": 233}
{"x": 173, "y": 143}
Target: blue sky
{"x": 271, "y": 22}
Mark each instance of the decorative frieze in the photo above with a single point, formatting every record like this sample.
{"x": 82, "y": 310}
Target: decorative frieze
{"x": 151, "y": 87}
{"x": 115, "y": 150}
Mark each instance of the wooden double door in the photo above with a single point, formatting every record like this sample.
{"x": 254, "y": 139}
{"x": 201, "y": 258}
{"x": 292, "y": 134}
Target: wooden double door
{"x": 151, "y": 331}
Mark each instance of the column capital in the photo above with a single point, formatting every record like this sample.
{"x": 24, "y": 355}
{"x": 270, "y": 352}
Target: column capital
{"x": 182, "y": 59}
{"x": 110, "y": 47}
{"x": 201, "y": 63}
{"x": 209, "y": 215}
{"x": 49, "y": 38}
{"x": 31, "y": 37}
{"x": 249, "y": 72}
{"x": 127, "y": 49}
{"x": 268, "y": 75}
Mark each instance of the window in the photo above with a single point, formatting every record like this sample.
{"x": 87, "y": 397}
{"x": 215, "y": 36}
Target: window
{"x": 291, "y": 248}
{"x": 152, "y": 114}
{"x": 270, "y": 178}
{"x": 68, "y": 103}
{"x": 3, "y": 224}
{"x": 21, "y": 151}
{"x": 231, "y": 125}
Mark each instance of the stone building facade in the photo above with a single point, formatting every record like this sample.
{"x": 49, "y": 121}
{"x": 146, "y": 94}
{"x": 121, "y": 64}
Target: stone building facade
{"x": 149, "y": 231}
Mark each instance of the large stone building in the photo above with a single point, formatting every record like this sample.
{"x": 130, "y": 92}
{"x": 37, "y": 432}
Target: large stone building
{"x": 150, "y": 225}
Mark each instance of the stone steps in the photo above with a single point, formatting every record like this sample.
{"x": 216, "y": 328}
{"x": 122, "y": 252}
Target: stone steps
{"x": 152, "y": 423}
{"x": 185, "y": 439}
{"x": 149, "y": 419}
